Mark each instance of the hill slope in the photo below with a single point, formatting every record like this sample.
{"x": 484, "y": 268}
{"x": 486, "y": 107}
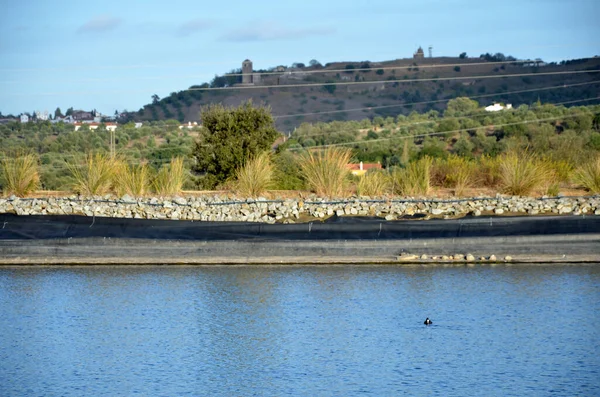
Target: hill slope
{"x": 358, "y": 90}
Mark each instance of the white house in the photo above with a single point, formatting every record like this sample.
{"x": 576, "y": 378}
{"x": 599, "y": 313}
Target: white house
{"x": 496, "y": 107}
{"x": 189, "y": 125}
{"x": 93, "y": 126}
{"x": 24, "y": 118}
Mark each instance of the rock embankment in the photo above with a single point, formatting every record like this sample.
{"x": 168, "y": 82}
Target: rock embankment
{"x": 222, "y": 208}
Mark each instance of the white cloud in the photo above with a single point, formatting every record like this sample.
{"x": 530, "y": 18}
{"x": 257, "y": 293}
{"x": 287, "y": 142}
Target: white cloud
{"x": 100, "y": 23}
{"x": 271, "y": 31}
{"x": 193, "y": 26}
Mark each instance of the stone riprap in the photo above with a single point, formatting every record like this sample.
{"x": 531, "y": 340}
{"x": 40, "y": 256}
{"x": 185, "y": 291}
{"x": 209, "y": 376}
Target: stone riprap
{"x": 223, "y": 208}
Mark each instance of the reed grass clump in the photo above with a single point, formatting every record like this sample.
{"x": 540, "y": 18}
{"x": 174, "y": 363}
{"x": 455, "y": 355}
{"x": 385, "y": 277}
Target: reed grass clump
{"x": 415, "y": 179}
{"x": 255, "y": 177}
{"x": 455, "y": 172}
{"x": 588, "y": 175}
{"x": 20, "y": 174}
{"x": 374, "y": 183}
{"x": 170, "y": 178}
{"x": 95, "y": 176}
{"x": 521, "y": 173}
{"x": 488, "y": 171}
{"x": 131, "y": 179}
{"x": 326, "y": 171}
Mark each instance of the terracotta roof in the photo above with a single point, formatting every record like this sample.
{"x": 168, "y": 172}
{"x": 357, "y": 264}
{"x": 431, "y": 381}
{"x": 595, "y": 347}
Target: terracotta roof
{"x": 366, "y": 166}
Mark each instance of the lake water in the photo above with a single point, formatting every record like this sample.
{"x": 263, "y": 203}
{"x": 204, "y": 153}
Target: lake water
{"x": 300, "y": 331}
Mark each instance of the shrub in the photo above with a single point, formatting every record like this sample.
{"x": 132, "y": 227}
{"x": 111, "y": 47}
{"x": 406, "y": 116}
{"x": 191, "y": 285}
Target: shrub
{"x": 255, "y": 176}
{"x": 588, "y": 175}
{"x": 170, "y": 178}
{"x": 488, "y": 171}
{"x": 374, "y": 183}
{"x": 20, "y": 174}
{"x": 521, "y": 174}
{"x": 455, "y": 172}
{"x": 415, "y": 179}
{"x": 131, "y": 179}
{"x": 326, "y": 171}
{"x": 286, "y": 173}
{"x": 95, "y": 176}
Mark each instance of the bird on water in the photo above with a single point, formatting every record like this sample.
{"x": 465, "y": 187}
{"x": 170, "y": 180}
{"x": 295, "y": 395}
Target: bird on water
{"x": 427, "y": 321}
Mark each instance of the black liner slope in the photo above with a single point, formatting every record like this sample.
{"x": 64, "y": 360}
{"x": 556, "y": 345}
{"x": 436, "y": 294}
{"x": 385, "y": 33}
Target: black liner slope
{"x": 32, "y": 227}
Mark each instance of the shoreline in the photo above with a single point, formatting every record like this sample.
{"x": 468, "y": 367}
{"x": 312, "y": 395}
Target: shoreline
{"x": 56, "y": 240}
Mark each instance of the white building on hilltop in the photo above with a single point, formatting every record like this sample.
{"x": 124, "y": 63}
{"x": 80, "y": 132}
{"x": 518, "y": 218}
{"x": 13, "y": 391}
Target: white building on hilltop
{"x": 496, "y": 107}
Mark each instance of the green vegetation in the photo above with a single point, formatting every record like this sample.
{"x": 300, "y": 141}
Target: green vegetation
{"x": 537, "y": 149}
{"x": 228, "y": 137}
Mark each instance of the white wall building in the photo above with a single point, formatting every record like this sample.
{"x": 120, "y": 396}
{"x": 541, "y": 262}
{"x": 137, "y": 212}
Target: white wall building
{"x": 496, "y": 107}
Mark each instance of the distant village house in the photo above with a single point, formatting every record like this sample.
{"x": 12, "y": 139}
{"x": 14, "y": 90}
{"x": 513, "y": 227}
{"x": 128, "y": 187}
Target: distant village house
{"x": 94, "y": 125}
{"x": 496, "y": 107}
{"x": 361, "y": 168}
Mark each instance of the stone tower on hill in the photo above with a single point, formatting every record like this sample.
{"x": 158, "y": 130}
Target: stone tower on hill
{"x": 419, "y": 55}
{"x": 247, "y": 72}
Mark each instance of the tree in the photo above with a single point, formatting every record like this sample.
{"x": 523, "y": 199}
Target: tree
{"x": 457, "y": 68}
{"x": 461, "y": 106}
{"x": 69, "y": 111}
{"x": 155, "y": 99}
{"x": 57, "y": 113}
{"x": 228, "y": 137}
{"x": 315, "y": 64}
{"x": 462, "y": 55}
{"x": 298, "y": 65}
{"x": 330, "y": 88}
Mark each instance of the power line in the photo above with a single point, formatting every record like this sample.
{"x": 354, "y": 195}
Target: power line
{"x": 478, "y": 113}
{"x": 288, "y": 72}
{"x": 437, "y": 100}
{"x": 341, "y": 83}
{"x": 443, "y": 132}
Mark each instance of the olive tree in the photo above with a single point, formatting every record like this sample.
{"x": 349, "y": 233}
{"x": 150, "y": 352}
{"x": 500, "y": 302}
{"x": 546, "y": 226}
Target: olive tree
{"x": 228, "y": 137}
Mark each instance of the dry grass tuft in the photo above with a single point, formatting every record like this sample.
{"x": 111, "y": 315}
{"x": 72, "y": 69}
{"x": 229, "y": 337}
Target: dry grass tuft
{"x": 20, "y": 174}
{"x": 488, "y": 171}
{"x": 95, "y": 177}
{"x": 588, "y": 175}
{"x": 374, "y": 183}
{"x": 326, "y": 171}
{"x": 415, "y": 179}
{"x": 455, "y": 172}
{"x": 255, "y": 177}
{"x": 131, "y": 179}
{"x": 522, "y": 174}
{"x": 170, "y": 178}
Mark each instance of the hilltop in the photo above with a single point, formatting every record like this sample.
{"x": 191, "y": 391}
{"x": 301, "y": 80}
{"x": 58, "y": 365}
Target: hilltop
{"x": 323, "y": 93}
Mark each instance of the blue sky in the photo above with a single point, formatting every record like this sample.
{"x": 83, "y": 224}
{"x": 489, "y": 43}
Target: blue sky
{"x": 112, "y": 54}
